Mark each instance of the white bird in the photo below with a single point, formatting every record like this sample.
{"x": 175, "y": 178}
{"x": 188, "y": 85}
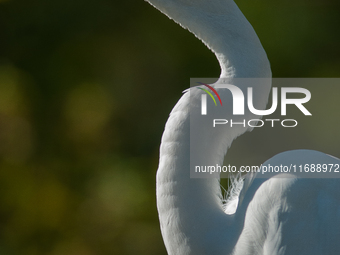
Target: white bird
{"x": 292, "y": 215}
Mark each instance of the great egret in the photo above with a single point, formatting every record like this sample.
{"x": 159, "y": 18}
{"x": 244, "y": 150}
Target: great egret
{"x": 274, "y": 216}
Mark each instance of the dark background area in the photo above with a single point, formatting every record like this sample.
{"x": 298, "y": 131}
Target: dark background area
{"x": 85, "y": 90}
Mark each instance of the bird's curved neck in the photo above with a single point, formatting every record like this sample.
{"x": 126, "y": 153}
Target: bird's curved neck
{"x": 190, "y": 210}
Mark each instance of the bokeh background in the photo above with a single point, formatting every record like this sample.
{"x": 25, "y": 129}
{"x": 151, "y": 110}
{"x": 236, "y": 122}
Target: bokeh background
{"x": 85, "y": 90}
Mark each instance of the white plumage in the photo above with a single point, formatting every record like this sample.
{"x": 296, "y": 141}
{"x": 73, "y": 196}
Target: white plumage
{"x": 274, "y": 216}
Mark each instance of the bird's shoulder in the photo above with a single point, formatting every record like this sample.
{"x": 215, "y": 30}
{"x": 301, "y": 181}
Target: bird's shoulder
{"x": 286, "y": 215}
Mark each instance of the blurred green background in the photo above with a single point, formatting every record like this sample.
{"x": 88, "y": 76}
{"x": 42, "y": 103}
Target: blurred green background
{"x": 85, "y": 90}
